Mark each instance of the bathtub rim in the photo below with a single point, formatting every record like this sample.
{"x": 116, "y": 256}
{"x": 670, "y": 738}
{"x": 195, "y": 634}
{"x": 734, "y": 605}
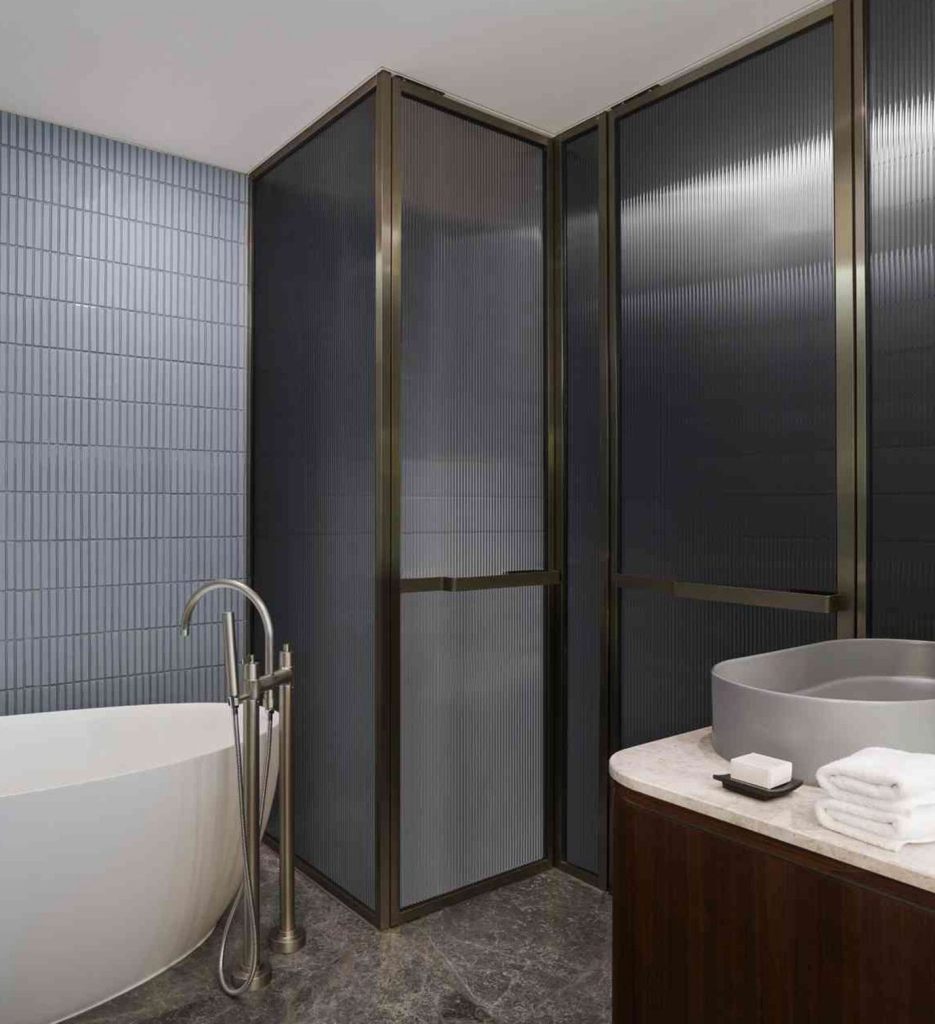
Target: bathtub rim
{"x": 141, "y": 769}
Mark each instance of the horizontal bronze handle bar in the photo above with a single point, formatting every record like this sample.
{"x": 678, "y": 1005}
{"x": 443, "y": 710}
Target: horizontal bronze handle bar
{"x": 500, "y": 581}
{"x": 790, "y": 600}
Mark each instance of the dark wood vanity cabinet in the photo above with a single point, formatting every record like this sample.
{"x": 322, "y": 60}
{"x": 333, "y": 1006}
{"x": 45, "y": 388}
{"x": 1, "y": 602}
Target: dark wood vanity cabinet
{"x": 717, "y": 925}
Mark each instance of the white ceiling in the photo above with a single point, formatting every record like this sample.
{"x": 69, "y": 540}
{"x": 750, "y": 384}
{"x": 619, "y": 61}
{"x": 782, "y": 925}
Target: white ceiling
{"x": 229, "y": 81}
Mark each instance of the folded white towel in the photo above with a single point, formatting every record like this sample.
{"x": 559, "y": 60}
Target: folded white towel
{"x": 880, "y": 777}
{"x": 890, "y": 829}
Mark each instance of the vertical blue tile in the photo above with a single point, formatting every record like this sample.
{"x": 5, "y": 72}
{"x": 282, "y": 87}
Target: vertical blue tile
{"x": 114, "y": 430}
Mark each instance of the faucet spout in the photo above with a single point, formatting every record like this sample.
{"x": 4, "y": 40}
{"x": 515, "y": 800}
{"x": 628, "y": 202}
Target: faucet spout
{"x": 252, "y": 596}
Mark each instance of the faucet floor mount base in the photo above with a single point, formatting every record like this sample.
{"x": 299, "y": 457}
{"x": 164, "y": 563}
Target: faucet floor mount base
{"x": 261, "y": 979}
{"x": 287, "y": 942}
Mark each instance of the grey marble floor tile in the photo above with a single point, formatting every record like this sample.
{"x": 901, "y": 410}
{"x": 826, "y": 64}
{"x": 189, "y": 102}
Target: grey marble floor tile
{"x": 518, "y": 948}
{"x": 584, "y": 1001}
{"x": 536, "y": 952}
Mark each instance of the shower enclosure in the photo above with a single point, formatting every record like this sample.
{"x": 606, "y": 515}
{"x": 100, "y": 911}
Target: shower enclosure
{"x": 405, "y": 490}
{"x": 544, "y": 428}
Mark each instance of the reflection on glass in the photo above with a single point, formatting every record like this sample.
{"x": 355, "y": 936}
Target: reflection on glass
{"x": 727, "y": 326}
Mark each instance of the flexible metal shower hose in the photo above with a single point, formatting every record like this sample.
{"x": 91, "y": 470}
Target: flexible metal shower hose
{"x": 246, "y": 883}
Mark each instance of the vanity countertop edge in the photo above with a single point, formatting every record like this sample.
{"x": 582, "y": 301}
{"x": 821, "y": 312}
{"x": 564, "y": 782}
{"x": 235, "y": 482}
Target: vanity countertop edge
{"x": 678, "y": 770}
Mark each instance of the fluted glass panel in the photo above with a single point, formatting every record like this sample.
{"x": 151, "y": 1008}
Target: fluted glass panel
{"x": 586, "y": 499}
{"x": 473, "y": 353}
{"x": 471, "y": 738}
{"x": 472, "y": 452}
{"x": 901, "y": 94}
{"x": 727, "y": 326}
{"x": 727, "y": 370}
{"x": 313, "y": 476}
{"x": 669, "y": 647}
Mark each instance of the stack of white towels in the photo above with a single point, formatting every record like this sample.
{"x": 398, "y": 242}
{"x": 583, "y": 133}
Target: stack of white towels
{"x": 881, "y": 796}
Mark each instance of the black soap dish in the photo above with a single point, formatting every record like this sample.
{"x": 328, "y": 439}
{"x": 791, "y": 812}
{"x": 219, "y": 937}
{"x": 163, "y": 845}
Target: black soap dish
{"x": 757, "y": 792}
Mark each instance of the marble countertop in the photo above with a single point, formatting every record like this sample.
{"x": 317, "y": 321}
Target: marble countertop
{"x": 678, "y": 771}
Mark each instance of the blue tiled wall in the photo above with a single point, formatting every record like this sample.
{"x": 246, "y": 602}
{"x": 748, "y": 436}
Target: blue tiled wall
{"x": 123, "y": 298}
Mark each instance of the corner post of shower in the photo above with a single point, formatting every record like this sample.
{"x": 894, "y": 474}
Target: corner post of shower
{"x": 605, "y": 208}
{"x": 556, "y": 554}
{"x": 387, "y": 215}
{"x": 849, "y": 291}
{"x": 859, "y": 141}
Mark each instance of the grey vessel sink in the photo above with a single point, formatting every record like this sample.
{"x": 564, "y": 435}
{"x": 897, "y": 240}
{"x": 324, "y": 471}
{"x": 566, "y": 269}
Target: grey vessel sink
{"x": 811, "y": 705}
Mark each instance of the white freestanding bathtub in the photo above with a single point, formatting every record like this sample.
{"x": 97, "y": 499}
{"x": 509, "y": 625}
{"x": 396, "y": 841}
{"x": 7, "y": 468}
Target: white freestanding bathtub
{"x": 119, "y": 849}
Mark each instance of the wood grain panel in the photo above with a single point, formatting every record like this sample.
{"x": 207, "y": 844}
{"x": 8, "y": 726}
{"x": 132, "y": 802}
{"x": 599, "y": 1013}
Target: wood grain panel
{"x": 716, "y": 924}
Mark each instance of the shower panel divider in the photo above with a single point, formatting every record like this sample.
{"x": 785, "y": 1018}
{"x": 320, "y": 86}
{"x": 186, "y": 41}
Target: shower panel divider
{"x": 460, "y": 629}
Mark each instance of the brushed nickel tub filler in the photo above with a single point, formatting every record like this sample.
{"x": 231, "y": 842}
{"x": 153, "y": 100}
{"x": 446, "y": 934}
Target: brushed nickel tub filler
{"x": 122, "y": 834}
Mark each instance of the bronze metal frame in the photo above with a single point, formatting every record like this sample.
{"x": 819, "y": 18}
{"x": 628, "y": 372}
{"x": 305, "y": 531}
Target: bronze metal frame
{"x": 500, "y": 581}
{"x": 787, "y": 600}
{"x": 859, "y": 129}
{"x": 558, "y": 654}
{"x": 386, "y": 653}
{"x": 248, "y": 411}
{"x": 612, "y": 305}
{"x": 317, "y": 126}
{"x": 725, "y": 60}
{"x": 608, "y": 395}
{"x": 393, "y": 469}
{"x": 555, "y": 525}
{"x": 599, "y": 878}
{"x": 844, "y": 291}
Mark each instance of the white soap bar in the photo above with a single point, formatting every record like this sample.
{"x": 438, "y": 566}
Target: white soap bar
{"x": 760, "y": 770}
